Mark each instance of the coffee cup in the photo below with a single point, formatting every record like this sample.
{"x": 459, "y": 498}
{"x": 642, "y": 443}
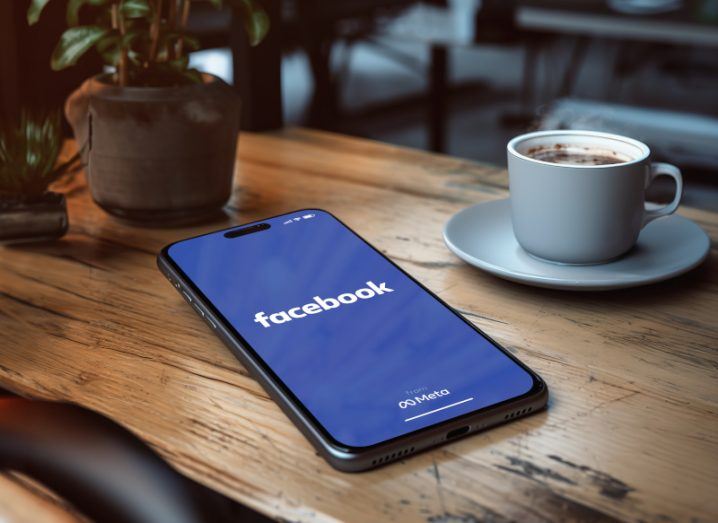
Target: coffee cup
{"x": 578, "y": 197}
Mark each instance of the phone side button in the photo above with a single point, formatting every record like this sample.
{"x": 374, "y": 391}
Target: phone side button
{"x": 210, "y": 322}
{"x": 197, "y": 308}
{"x": 187, "y": 296}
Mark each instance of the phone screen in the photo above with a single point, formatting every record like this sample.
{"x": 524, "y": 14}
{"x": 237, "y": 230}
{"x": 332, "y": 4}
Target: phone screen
{"x": 367, "y": 351}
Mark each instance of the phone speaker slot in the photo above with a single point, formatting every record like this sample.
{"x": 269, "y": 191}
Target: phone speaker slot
{"x": 517, "y": 413}
{"x": 394, "y": 455}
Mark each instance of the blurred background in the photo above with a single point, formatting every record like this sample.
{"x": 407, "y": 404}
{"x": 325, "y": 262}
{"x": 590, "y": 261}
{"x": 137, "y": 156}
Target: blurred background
{"x": 454, "y": 76}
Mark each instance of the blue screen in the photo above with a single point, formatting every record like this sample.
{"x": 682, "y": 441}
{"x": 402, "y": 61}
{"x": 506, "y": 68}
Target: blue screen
{"x": 367, "y": 351}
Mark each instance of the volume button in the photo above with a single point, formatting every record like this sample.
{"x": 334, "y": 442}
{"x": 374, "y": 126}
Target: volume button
{"x": 198, "y": 309}
{"x": 187, "y": 296}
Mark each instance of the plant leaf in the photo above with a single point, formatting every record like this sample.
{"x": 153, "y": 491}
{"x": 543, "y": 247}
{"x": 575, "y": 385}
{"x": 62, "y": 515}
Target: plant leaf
{"x": 73, "y": 43}
{"x": 193, "y": 75}
{"x": 34, "y": 10}
{"x": 109, "y": 47}
{"x": 135, "y": 8}
{"x": 256, "y": 21}
{"x": 29, "y": 148}
{"x": 131, "y": 36}
{"x": 110, "y": 39}
{"x": 191, "y": 43}
{"x": 73, "y": 9}
{"x": 216, "y": 3}
{"x": 179, "y": 65}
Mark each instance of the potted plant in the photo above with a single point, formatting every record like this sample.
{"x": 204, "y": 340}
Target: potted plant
{"x": 158, "y": 138}
{"x": 28, "y": 165}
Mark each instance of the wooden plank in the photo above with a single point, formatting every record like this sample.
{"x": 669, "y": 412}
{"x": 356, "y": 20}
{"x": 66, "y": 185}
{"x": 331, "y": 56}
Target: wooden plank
{"x": 631, "y": 431}
{"x": 24, "y": 501}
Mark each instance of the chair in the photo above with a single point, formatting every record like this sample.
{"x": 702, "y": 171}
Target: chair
{"x": 101, "y": 468}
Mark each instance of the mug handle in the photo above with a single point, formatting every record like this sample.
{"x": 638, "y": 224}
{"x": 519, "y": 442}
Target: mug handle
{"x": 663, "y": 169}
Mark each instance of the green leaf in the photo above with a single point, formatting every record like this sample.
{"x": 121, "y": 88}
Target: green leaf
{"x": 180, "y": 64}
{"x": 216, "y": 3}
{"x": 256, "y": 21}
{"x": 190, "y": 43}
{"x": 111, "y": 39}
{"x": 131, "y": 36}
{"x": 73, "y": 9}
{"x": 135, "y": 8}
{"x": 134, "y": 57}
{"x": 34, "y": 10}
{"x": 73, "y": 43}
{"x": 193, "y": 75}
{"x": 29, "y": 148}
{"x": 109, "y": 48}
{"x": 170, "y": 41}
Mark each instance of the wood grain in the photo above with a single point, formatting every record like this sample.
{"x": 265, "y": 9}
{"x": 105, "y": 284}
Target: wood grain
{"x": 25, "y": 501}
{"x": 631, "y": 432}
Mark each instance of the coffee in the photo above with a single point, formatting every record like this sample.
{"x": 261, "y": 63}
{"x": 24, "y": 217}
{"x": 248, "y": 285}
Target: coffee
{"x": 578, "y": 197}
{"x": 575, "y": 154}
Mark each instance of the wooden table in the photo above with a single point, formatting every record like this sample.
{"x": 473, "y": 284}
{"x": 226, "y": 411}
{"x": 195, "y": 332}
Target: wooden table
{"x": 631, "y": 431}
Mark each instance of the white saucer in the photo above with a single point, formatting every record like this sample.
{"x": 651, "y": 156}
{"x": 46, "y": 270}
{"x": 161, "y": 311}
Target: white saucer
{"x": 482, "y": 235}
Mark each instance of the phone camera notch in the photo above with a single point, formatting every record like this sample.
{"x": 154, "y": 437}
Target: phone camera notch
{"x": 247, "y": 230}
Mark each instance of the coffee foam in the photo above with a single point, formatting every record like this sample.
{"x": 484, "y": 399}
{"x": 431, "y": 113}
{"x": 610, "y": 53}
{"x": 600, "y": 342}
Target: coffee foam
{"x": 627, "y": 149}
{"x": 576, "y": 154}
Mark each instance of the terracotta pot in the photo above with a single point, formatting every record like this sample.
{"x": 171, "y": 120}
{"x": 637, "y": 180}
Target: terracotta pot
{"x": 157, "y": 154}
{"x": 41, "y": 220}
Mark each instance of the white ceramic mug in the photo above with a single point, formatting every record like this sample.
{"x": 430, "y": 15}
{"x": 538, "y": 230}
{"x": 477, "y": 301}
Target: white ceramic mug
{"x": 583, "y": 214}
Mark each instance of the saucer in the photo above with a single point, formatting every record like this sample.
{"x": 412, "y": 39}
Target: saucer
{"x": 483, "y": 236}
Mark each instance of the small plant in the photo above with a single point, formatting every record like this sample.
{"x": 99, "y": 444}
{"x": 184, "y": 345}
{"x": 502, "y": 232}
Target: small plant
{"x": 28, "y": 157}
{"x": 144, "y": 40}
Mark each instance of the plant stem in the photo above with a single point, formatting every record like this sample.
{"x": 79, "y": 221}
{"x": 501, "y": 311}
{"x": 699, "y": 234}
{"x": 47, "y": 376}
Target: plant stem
{"x": 184, "y": 16}
{"x": 155, "y": 31}
{"x": 123, "y": 68}
{"x": 121, "y": 65}
{"x": 172, "y": 24}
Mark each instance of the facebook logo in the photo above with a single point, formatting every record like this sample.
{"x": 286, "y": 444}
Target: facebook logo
{"x": 322, "y": 304}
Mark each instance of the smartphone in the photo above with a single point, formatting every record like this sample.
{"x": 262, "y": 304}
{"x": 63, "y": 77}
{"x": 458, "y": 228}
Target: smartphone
{"x": 365, "y": 360}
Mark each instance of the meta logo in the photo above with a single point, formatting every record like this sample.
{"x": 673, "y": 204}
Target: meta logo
{"x": 322, "y": 304}
{"x": 418, "y": 400}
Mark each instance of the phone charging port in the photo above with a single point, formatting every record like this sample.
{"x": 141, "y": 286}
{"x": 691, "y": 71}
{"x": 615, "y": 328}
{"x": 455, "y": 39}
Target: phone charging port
{"x": 457, "y": 432}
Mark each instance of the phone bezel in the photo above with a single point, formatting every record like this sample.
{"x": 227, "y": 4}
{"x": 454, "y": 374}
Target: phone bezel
{"x": 538, "y": 385}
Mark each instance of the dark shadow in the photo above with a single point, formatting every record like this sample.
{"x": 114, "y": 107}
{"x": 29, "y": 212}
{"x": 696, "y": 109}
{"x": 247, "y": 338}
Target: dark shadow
{"x": 102, "y": 469}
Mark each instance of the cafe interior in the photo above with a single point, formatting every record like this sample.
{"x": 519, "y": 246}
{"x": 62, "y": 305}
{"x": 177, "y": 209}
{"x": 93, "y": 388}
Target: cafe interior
{"x": 129, "y": 125}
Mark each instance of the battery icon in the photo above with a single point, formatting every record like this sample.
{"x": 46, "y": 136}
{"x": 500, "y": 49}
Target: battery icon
{"x": 307, "y": 216}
